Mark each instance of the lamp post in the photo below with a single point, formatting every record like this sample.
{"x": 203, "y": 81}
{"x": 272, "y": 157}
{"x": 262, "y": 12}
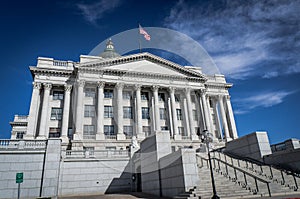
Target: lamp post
{"x": 208, "y": 138}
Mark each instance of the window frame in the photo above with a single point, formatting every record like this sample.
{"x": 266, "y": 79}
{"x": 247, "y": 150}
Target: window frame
{"x": 127, "y": 112}
{"x": 56, "y": 115}
{"x": 89, "y": 112}
{"x": 145, "y": 114}
{"x": 58, "y": 95}
{"x": 108, "y": 112}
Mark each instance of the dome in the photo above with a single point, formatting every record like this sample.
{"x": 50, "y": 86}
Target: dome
{"x": 109, "y": 52}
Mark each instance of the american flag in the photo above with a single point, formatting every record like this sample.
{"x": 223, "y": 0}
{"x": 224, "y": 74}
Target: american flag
{"x": 143, "y": 32}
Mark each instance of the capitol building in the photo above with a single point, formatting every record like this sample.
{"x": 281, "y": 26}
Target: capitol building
{"x": 138, "y": 123}
{"x": 101, "y": 102}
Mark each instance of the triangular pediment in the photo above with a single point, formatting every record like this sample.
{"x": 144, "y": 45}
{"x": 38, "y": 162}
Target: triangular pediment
{"x": 145, "y": 63}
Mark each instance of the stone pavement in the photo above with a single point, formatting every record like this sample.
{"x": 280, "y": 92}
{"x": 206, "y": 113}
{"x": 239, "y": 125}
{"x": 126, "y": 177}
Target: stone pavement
{"x": 115, "y": 196}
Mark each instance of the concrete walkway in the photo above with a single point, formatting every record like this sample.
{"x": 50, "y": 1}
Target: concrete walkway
{"x": 113, "y": 196}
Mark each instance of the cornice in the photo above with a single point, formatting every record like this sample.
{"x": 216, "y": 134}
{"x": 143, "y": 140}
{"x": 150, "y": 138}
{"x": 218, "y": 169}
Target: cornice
{"x": 53, "y": 72}
{"x": 116, "y": 72}
{"x": 218, "y": 85}
{"x": 138, "y": 57}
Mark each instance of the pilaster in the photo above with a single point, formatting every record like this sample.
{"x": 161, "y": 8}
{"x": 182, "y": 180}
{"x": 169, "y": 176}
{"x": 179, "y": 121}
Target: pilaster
{"x": 79, "y": 111}
{"x": 33, "y": 112}
{"x": 100, "y": 112}
{"x": 156, "y": 108}
{"x": 139, "y": 130}
{"x": 66, "y": 113}
{"x": 120, "y": 133}
{"x": 174, "y": 114}
{"x": 44, "y": 115}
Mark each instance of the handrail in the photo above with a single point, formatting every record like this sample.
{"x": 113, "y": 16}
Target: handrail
{"x": 242, "y": 171}
{"x": 260, "y": 164}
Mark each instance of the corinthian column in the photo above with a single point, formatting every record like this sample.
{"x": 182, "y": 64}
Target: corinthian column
{"x": 174, "y": 114}
{"x": 224, "y": 120}
{"x": 206, "y": 111}
{"x": 138, "y": 118}
{"x": 231, "y": 118}
{"x": 156, "y": 108}
{"x": 190, "y": 112}
{"x": 66, "y": 113}
{"x": 100, "y": 112}
{"x": 33, "y": 112}
{"x": 79, "y": 111}
{"x": 120, "y": 134}
{"x": 44, "y": 114}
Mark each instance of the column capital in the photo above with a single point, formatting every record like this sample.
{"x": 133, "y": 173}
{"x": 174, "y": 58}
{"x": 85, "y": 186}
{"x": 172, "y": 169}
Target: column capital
{"x": 81, "y": 83}
{"x": 68, "y": 87}
{"x": 47, "y": 86}
{"x": 155, "y": 88}
{"x": 100, "y": 84}
{"x": 187, "y": 90}
{"x": 172, "y": 89}
{"x": 203, "y": 90}
{"x": 220, "y": 97}
{"x": 228, "y": 97}
{"x": 119, "y": 85}
{"x": 37, "y": 85}
{"x": 137, "y": 87}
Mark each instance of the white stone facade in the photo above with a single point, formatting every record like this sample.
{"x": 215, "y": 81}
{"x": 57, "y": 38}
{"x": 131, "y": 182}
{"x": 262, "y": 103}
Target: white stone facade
{"x": 102, "y": 102}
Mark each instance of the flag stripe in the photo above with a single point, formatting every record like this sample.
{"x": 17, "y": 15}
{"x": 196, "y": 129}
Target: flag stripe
{"x": 143, "y": 32}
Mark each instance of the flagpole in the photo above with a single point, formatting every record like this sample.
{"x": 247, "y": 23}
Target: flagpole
{"x": 140, "y": 46}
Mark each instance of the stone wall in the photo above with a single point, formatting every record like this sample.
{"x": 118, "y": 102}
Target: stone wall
{"x": 179, "y": 172}
{"x": 23, "y": 157}
{"x": 254, "y": 145}
{"x": 95, "y": 176}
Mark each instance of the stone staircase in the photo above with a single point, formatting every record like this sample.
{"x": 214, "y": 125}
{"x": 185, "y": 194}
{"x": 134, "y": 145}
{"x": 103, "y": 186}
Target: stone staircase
{"x": 236, "y": 178}
{"x": 280, "y": 181}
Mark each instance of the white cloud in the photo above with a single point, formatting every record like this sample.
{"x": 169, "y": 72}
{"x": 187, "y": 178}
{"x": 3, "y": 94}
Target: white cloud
{"x": 93, "y": 12}
{"x": 261, "y": 100}
{"x": 245, "y": 38}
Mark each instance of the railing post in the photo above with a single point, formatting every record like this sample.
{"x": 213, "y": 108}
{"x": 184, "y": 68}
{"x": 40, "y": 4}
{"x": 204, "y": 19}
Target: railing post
{"x": 256, "y": 184}
{"x": 239, "y": 163}
{"x": 235, "y": 174}
{"x": 245, "y": 178}
{"x": 269, "y": 189}
{"x": 271, "y": 172}
{"x": 296, "y": 185}
{"x": 283, "y": 181}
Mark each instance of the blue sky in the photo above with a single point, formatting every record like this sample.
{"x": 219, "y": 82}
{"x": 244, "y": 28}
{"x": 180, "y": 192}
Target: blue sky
{"x": 256, "y": 44}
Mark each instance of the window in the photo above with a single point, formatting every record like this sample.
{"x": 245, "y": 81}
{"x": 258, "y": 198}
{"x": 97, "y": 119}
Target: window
{"x": 195, "y": 115}
{"x": 54, "y": 132}
{"x": 109, "y": 130}
{"x": 126, "y": 95}
{"x": 145, "y": 113}
{"x": 108, "y": 93}
{"x": 197, "y": 130}
{"x": 90, "y": 92}
{"x": 211, "y": 104}
{"x": 58, "y": 95}
{"x": 181, "y": 130}
{"x": 89, "y": 111}
{"x": 164, "y": 128}
{"x": 108, "y": 111}
{"x": 144, "y": 96}
{"x": 56, "y": 113}
{"x": 20, "y": 135}
{"x": 89, "y": 132}
{"x": 147, "y": 130}
{"x": 161, "y": 97}
{"x": 127, "y": 112}
{"x": 179, "y": 114}
{"x": 177, "y": 98}
{"x": 128, "y": 131}
{"x": 162, "y": 113}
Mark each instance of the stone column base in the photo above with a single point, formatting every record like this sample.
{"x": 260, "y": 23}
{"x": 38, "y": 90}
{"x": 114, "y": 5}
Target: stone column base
{"x": 64, "y": 139}
{"x": 76, "y": 136}
{"x": 28, "y": 137}
{"x": 121, "y": 137}
{"x": 195, "y": 137}
{"x": 41, "y": 137}
{"x": 100, "y": 136}
{"x": 177, "y": 137}
{"x": 228, "y": 139}
{"x": 141, "y": 136}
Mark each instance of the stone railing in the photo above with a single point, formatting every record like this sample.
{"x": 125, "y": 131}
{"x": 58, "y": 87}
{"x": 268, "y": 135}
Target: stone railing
{"x": 20, "y": 118}
{"x": 7, "y": 145}
{"x": 73, "y": 154}
{"x": 48, "y": 62}
{"x": 60, "y": 63}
